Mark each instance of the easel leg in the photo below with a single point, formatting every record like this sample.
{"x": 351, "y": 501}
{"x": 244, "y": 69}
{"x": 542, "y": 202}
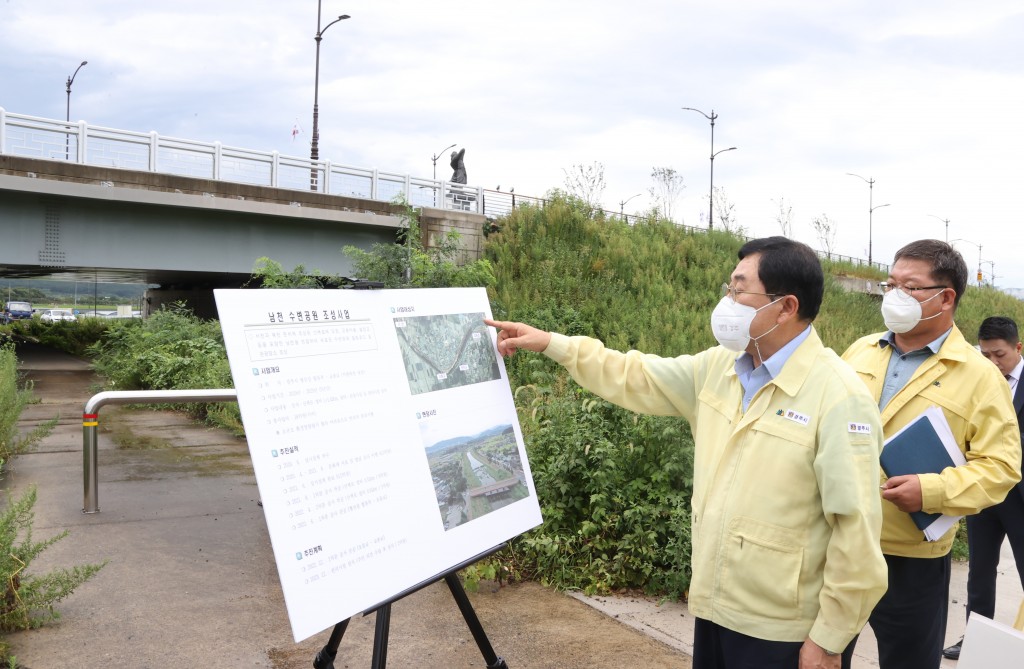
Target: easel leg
{"x": 325, "y": 658}
{"x": 380, "y": 638}
{"x": 493, "y": 661}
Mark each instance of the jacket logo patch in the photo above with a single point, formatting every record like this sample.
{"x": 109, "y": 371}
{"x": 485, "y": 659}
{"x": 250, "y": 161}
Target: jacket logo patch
{"x": 794, "y": 416}
{"x": 859, "y": 428}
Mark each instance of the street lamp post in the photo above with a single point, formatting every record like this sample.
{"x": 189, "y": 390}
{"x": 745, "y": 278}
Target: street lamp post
{"x": 67, "y": 117}
{"x": 979, "y": 255}
{"x": 946, "y": 221}
{"x": 711, "y": 197}
{"x": 437, "y": 155}
{"x": 991, "y": 271}
{"x": 314, "y": 150}
{"x": 871, "y": 210}
{"x": 711, "y": 189}
{"x": 623, "y": 203}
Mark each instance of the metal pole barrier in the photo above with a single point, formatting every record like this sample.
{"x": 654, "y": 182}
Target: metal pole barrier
{"x": 90, "y": 425}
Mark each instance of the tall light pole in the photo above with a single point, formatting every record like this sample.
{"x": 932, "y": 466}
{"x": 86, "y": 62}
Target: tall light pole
{"x": 711, "y": 189}
{"x": 991, "y": 271}
{"x": 314, "y": 149}
{"x": 623, "y": 203}
{"x": 437, "y": 155}
{"x": 871, "y": 210}
{"x": 946, "y": 221}
{"x": 979, "y": 255}
{"x": 711, "y": 197}
{"x": 67, "y": 117}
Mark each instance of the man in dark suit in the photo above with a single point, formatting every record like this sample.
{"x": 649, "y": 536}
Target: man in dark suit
{"x": 999, "y": 342}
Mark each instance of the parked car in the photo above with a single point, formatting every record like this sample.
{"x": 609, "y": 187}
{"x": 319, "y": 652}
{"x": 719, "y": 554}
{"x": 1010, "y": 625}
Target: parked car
{"x": 16, "y": 311}
{"x": 54, "y": 315}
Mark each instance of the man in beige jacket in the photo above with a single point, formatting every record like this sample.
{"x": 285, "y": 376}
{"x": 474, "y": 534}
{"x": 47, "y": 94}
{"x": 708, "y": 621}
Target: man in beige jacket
{"x": 785, "y": 513}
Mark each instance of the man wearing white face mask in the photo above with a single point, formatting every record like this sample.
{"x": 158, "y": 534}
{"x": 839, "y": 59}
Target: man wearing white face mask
{"x": 921, "y": 361}
{"x": 785, "y": 512}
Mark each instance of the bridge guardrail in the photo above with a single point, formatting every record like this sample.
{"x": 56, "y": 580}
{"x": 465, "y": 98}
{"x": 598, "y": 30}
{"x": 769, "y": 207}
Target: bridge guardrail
{"x": 51, "y": 139}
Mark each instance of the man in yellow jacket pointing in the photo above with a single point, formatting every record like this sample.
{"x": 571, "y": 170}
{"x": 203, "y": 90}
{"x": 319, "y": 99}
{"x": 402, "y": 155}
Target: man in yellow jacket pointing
{"x": 786, "y": 511}
{"x": 922, "y": 361}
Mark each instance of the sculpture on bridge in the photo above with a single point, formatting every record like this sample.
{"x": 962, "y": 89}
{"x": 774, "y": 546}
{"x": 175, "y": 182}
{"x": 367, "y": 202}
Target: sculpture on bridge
{"x": 459, "y": 175}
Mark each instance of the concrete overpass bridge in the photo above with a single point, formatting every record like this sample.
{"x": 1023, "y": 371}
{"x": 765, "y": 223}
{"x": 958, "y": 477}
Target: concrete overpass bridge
{"x": 86, "y": 203}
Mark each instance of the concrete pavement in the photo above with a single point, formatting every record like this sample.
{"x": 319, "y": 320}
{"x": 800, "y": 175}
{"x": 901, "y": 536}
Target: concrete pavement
{"x": 191, "y": 579}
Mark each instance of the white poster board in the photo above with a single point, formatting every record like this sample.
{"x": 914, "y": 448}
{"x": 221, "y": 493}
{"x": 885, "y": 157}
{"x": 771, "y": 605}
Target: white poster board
{"x": 991, "y": 645}
{"x": 383, "y": 435}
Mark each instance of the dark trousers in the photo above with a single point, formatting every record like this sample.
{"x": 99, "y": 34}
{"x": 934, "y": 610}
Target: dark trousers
{"x": 910, "y": 620}
{"x": 985, "y": 534}
{"x": 716, "y": 647}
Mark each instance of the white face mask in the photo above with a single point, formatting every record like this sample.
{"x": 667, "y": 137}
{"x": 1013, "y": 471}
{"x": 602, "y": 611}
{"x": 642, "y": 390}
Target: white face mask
{"x": 730, "y": 323}
{"x": 901, "y": 312}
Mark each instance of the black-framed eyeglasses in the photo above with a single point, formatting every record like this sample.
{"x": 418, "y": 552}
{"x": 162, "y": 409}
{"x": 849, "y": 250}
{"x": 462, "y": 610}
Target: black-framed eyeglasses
{"x": 732, "y": 292}
{"x": 887, "y": 286}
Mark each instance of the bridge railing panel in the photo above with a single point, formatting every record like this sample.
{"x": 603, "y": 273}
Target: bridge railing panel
{"x": 351, "y": 182}
{"x": 38, "y": 138}
{"x": 117, "y": 148}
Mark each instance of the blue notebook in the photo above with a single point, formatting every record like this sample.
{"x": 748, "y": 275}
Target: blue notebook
{"x": 918, "y": 449}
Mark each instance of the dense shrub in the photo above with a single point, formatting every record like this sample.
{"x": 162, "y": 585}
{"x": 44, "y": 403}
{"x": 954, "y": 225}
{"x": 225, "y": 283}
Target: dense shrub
{"x": 170, "y": 350}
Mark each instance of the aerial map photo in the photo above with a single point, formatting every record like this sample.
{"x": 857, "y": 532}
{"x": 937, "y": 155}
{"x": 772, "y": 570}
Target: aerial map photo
{"x": 446, "y": 351}
{"x": 476, "y": 474}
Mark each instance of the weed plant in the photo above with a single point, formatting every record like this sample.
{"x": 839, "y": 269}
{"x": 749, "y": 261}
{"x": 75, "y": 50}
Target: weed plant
{"x": 28, "y": 600}
{"x": 13, "y": 398}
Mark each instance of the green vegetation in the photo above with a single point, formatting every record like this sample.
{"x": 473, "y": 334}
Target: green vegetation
{"x": 12, "y": 400}
{"x": 28, "y": 600}
{"x": 74, "y": 337}
{"x": 411, "y": 264}
{"x": 170, "y": 350}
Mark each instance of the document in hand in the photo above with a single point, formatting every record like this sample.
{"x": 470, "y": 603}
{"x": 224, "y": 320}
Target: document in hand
{"x": 924, "y": 446}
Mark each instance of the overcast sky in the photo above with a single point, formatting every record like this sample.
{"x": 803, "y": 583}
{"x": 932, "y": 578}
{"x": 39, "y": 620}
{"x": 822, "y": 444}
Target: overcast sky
{"x": 923, "y": 97}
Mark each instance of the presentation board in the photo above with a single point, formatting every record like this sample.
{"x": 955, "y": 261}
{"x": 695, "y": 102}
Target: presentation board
{"x": 991, "y": 645}
{"x": 383, "y": 436}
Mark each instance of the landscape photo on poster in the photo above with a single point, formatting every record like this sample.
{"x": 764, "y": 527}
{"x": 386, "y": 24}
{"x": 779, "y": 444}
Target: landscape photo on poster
{"x": 446, "y": 351}
{"x": 474, "y": 474}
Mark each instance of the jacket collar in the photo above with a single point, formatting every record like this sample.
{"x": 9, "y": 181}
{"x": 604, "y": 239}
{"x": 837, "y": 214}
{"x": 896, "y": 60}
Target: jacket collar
{"x": 796, "y": 370}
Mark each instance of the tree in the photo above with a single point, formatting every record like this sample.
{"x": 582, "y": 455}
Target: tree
{"x": 826, "y": 230}
{"x": 725, "y": 213}
{"x": 668, "y": 184}
{"x": 784, "y": 217}
{"x": 586, "y": 182}
{"x": 410, "y": 264}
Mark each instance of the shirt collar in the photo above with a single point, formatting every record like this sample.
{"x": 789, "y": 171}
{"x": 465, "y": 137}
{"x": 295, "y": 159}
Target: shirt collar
{"x": 774, "y": 364}
{"x": 889, "y": 339}
{"x": 1015, "y": 372}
